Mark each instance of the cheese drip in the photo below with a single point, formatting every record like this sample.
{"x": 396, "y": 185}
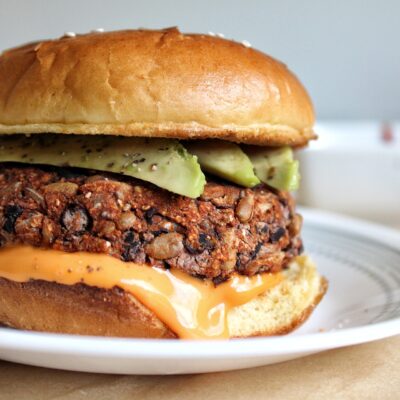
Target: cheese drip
{"x": 190, "y": 307}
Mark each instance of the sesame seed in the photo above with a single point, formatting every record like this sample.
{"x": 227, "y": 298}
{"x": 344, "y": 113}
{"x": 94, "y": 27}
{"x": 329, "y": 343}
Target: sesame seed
{"x": 126, "y": 207}
{"x": 220, "y": 35}
{"x": 211, "y": 33}
{"x": 70, "y": 34}
{"x": 246, "y": 43}
{"x": 98, "y": 30}
{"x": 120, "y": 203}
{"x": 88, "y": 195}
{"x": 108, "y": 244}
{"x": 58, "y": 202}
{"x": 154, "y": 167}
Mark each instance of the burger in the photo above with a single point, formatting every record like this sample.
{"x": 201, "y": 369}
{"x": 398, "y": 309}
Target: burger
{"x": 145, "y": 188}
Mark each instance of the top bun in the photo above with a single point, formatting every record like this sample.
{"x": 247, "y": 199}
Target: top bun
{"x": 155, "y": 84}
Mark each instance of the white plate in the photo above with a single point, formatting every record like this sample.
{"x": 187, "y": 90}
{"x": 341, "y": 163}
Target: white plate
{"x": 360, "y": 260}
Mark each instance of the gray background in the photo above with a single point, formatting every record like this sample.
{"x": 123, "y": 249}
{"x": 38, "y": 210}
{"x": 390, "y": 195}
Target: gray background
{"x": 347, "y": 53}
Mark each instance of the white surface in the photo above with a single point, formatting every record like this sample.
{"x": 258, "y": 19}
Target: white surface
{"x": 350, "y": 169}
{"x": 361, "y": 262}
{"x": 345, "y": 52}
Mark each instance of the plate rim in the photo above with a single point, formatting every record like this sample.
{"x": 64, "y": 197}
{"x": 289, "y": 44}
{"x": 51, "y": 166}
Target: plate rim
{"x": 144, "y": 348}
{"x": 92, "y": 346}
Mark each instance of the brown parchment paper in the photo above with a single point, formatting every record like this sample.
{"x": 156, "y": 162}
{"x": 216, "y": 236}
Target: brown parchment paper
{"x": 369, "y": 371}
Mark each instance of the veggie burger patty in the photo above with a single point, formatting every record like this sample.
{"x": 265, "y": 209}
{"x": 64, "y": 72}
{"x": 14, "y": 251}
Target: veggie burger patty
{"x": 228, "y": 229}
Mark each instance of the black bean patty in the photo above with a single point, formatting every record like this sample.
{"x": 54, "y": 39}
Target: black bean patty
{"x": 228, "y": 229}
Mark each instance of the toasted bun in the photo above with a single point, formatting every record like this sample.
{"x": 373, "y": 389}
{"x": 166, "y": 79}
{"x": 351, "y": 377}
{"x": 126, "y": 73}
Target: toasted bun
{"x": 285, "y": 307}
{"x": 155, "y": 84}
{"x": 81, "y": 309}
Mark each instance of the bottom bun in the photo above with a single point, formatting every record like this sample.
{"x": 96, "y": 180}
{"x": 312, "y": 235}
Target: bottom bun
{"x": 283, "y": 308}
{"x": 80, "y": 309}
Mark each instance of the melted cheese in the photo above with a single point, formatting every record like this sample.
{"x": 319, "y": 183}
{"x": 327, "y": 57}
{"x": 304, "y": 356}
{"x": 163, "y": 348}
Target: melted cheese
{"x": 190, "y": 307}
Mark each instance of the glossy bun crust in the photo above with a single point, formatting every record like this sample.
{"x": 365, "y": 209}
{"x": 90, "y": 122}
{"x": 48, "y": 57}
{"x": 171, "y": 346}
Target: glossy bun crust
{"x": 155, "y": 84}
{"x": 81, "y": 309}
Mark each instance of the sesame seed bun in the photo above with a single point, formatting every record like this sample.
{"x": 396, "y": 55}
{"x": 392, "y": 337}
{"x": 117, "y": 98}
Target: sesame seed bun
{"x": 154, "y": 84}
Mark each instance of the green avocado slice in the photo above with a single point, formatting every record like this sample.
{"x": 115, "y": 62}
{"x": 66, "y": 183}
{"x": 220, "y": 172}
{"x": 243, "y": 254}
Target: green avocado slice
{"x": 224, "y": 159}
{"x": 163, "y": 162}
{"x": 275, "y": 167}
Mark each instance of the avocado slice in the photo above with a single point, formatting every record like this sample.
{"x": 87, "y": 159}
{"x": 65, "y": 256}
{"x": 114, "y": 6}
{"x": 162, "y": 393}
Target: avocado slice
{"x": 163, "y": 162}
{"x": 275, "y": 167}
{"x": 224, "y": 159}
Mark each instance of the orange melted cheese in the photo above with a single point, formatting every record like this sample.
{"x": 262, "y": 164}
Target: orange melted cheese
{"x": 190, "y": 307}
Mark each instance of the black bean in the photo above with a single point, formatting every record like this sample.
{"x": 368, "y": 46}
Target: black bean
{"x": 190, "y": 249}
{"x": 149, "y": 214}
{"x": 11, "y": 213}
{"x": 205, "y": 242}
{"x": 262, "y": 228}
{"x": 159, "y": 232}
{"x": 76, "y": 219}
{"x": 130, "y": 251}
{"x": 130, "y": 237}
{"x": 276, "y": 235}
